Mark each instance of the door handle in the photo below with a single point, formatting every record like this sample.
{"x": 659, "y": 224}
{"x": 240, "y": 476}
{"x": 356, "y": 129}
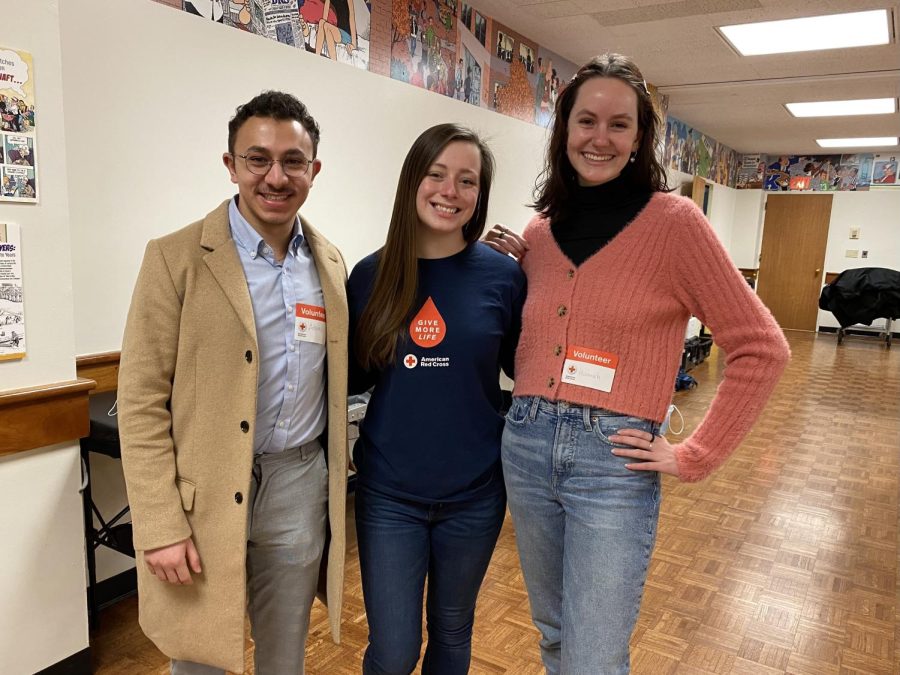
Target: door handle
{"x": 819, "y": 271}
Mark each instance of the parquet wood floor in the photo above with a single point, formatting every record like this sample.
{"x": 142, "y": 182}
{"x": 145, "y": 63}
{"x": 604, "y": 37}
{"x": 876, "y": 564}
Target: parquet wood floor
{"x": 786, "y": 561}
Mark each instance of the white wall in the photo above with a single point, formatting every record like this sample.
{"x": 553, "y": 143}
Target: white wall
{"x": 877, "y": 214}
{"x": 746, "y": 232}
{"x": 146, "y": 131}
{"x": 722, "y": 215}
{"x": 43, "y": 618}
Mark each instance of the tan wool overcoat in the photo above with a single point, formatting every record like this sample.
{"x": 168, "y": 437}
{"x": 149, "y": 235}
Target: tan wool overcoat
{"x": 187, "y": 409}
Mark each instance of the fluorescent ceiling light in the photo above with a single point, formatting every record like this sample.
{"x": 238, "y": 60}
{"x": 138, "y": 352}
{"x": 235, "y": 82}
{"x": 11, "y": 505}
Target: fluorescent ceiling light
{"x": 856, "y": 142}
{"x": 863, "y": 106}
{"x": 834, "y": 31}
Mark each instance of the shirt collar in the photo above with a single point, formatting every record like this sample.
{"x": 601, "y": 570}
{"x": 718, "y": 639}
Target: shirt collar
{"x": 249, "y": 239}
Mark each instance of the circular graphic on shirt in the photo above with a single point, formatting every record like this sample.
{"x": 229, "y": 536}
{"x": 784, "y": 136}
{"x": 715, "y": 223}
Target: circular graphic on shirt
{"x": 410, "y": 361}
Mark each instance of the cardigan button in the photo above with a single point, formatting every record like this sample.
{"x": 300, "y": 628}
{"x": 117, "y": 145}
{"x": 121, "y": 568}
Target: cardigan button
{"x": 550, "y": 382}
{"x": 238, "y": 497}
{"x": 245, "y": 426}
{"x": 561, "y": 310}
{"x": 248, "y": 355}
{"x": 570, "y": 274}
{"x": 558, "y": 350}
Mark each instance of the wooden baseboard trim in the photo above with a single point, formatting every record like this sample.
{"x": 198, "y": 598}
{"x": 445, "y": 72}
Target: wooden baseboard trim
{"x": 35, "y": 417}
{"x": 77, "y": 664}
{"x": 116, "y": 588}
{"x": 102, "y": 367}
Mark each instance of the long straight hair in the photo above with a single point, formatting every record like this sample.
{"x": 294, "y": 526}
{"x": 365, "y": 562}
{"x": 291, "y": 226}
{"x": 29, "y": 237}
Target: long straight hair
{"x": 396, "y": 278}
{"x": 555, "y": 185}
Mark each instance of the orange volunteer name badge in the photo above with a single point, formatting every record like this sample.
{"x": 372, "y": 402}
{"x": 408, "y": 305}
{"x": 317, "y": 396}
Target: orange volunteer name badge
{"x": 428, "y": 329}
{"x": 589, "y": 368}
{"x": 309, "y": 324}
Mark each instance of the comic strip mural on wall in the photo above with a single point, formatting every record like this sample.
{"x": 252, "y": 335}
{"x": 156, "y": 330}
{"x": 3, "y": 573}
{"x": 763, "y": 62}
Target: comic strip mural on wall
{"x": 690, "y": 151}
{"x": 335, "y": 29}
{"x": 445, "y": 46}
{"x": 452, "y": 49}
{"x": 424, "y": 48}
{"x": 819, "y": 173}
{"x": 18, "y": 130}
{"x": 448, "y": 47}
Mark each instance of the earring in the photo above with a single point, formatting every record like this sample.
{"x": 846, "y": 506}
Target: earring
{"x": 632, "y": 158}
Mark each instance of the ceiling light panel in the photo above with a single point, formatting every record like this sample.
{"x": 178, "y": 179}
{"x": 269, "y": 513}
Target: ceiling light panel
{"x": 863, "y": 106}
{"x": 834, "y": 31}
{"x": 856, "y": 142}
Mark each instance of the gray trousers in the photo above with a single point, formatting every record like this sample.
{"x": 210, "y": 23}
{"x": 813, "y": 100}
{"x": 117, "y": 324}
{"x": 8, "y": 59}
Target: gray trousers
{"x": 285, "y": 539}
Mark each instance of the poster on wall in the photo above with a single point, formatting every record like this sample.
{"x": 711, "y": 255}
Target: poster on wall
{"x": 751, "y": 173}
{"x": 690, "y": 151}
{"x": 336, "y": 29}
{"x": 425, "y": 49}
{"x": 12, "y": 312}
{"x": 820, "y": 173}
{"x": 18, "y": 164}
{"x": 884, "y": 171}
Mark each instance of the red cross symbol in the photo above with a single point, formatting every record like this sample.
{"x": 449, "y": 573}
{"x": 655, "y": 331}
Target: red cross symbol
{"x": 302, "y": 326}
{"x": 572, "y": 369}
{"x": 410, "y": 360}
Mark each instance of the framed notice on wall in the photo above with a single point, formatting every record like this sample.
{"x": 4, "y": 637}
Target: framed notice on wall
{"x": 18, "y": 154}
{"x": 12, "y": 303}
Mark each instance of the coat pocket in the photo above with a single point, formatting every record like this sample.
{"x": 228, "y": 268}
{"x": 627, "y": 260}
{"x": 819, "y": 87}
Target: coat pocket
{"x": 186, "y": 489}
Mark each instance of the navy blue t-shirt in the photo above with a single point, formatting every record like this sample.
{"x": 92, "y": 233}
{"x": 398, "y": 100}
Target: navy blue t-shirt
{"x": 433, "y": 425}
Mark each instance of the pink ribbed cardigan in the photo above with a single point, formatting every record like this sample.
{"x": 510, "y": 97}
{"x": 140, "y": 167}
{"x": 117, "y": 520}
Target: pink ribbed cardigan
{"x": 633, "y": 299}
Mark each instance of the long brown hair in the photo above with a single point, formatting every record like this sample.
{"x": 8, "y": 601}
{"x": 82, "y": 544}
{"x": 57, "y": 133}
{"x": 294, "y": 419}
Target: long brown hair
{"x": 396, "y": 279}
{"x": 554, "y": 187}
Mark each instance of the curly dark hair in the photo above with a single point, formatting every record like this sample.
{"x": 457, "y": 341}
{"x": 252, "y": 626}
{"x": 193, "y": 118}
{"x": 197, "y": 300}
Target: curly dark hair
{"x": 553, "y": 188}
{"x": 277, "y": 105}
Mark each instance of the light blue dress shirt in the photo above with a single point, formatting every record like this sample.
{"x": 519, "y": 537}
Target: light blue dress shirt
{"x": 290, "y": 397}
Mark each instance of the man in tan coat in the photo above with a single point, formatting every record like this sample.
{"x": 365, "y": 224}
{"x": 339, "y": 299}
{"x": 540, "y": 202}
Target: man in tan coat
{"x": 224, "y": 405}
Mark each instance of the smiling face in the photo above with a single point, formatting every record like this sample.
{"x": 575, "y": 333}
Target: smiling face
{"x": 602, "y": 130}
{"x": 448, "y": 194}
{"x": 271, "y": 202}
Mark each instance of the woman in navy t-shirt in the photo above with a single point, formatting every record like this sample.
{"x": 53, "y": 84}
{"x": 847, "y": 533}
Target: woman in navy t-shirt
{"x": 434, "y": 316}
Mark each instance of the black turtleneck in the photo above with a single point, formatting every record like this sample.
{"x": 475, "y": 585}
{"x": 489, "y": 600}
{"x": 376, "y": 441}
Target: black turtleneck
{"x": 596, "y": 215}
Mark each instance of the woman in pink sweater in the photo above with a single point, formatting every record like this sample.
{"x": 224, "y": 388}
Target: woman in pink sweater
{"x": 616, "y": 267}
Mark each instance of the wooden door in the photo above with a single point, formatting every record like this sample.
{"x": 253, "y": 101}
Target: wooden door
{"x": 701, "y": 191}
{"x": 795, "y": 233}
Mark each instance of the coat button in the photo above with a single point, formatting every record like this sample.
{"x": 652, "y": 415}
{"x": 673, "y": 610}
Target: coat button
{"x": 238, "y": 497}
{"x": 550, "y": 382}
{"x": 558, "y": 350}
{"x": 245, "y": 427}
{"x": 249, "y": 356}
{"x": 561, "y": 310}
{"x": 570, "y": 274}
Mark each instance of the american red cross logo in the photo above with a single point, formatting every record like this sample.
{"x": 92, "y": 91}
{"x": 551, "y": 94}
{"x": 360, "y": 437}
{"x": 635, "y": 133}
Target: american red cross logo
{"x": 302, "y": 326}
{"x": 572, "y": 370}
{"x": 410, "y": 361}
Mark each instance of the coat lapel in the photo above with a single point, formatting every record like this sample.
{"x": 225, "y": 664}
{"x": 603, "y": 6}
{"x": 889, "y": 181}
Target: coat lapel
{"x": 225, "y": 266}
{"x": 332, "y": 276}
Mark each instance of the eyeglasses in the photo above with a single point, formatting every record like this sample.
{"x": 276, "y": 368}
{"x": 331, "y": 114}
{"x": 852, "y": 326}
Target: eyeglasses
{"x": 291, "y": 166}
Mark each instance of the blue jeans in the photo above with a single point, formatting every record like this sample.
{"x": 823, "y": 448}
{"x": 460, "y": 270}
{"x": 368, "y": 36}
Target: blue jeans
{"x": 400, "y": 542}
{"x": 585, "y": 529}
